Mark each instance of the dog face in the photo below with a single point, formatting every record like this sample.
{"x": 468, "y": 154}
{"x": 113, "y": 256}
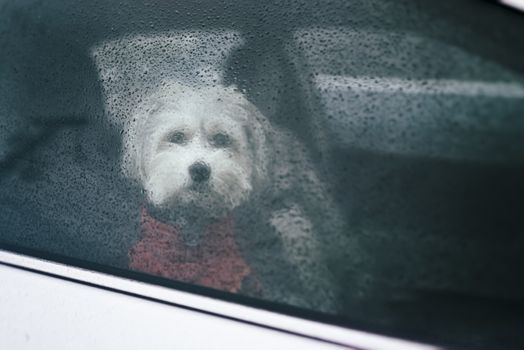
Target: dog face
{"x": 197, "y": 148}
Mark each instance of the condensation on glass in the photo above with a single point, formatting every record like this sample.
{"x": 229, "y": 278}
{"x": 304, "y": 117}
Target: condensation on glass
{"x": 353, "y": 158}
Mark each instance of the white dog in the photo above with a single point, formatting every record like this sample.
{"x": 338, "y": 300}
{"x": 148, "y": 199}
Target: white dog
{"x": 203, "y": 153}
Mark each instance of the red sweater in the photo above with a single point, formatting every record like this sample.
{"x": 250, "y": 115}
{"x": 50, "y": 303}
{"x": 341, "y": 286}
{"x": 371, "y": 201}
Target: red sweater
{"x": 216, "y": 262}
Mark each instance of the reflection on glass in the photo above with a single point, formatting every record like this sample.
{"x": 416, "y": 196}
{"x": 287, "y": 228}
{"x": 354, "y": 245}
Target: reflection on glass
{"x": 358, "y": 158}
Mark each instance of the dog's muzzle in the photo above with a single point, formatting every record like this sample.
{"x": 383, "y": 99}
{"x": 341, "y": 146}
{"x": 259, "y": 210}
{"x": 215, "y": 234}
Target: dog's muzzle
{"x": 200, "y": 172}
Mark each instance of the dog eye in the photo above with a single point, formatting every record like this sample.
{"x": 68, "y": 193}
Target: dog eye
{"x": 220, "y": 140}
{"x": 177, "y": 137}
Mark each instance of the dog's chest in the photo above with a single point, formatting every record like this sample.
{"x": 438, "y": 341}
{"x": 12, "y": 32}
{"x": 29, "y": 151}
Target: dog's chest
{"x": 215, "y": 262}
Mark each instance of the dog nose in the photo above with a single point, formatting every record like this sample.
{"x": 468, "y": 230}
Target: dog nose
{"x": 199, "y": 172}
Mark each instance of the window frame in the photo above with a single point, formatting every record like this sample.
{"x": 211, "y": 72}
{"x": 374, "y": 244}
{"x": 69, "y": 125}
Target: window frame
{"x": 212, "y": 306}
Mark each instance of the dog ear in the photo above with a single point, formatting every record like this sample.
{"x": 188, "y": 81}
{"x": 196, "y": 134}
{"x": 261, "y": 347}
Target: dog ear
{"x": 134, "y": 126}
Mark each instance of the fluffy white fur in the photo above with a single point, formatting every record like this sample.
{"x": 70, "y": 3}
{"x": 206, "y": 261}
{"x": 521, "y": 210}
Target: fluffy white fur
{"x": 162, "y": 167}
{"x": 259, "y": 159}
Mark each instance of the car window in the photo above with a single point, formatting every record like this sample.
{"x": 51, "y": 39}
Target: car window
{"x": 356, "y": 162}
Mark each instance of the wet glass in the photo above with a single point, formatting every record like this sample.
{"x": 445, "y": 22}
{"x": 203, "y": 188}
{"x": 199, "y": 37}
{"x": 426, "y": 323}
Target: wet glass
{"x": 358, "y": 162}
